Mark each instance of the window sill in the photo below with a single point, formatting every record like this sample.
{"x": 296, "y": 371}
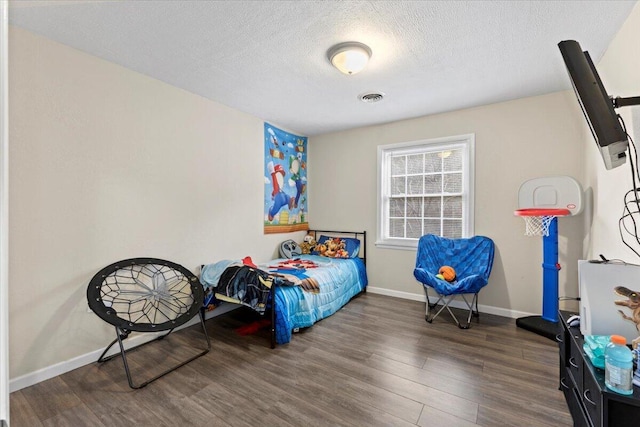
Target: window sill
{"x": 396, "y": 246}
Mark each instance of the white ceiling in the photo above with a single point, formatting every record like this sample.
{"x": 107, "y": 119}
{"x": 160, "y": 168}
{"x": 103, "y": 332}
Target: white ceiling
{"x": 268, "y": 58}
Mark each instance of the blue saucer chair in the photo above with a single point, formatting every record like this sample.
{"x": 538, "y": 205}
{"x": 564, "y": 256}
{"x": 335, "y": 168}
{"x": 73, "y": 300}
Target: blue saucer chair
{"x": 471, "y": 258}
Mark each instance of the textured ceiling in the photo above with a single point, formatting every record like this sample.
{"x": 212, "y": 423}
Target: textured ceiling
{"x": 268, "y": 58}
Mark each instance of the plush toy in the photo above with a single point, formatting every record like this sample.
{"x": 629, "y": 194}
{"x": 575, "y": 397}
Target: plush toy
{"x": 333, "y": 248}
{"x": 309, "y": 244}
{"x": 321, "y": 248}
{"x": 447, "y": 273}
{"x": 336, "y": 247}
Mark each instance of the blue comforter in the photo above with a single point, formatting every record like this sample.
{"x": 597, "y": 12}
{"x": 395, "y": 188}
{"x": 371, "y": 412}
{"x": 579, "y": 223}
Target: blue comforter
{"x": 339, "y": 280}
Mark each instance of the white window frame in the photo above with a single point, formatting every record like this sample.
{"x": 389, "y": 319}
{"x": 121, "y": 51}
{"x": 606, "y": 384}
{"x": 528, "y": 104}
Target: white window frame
{"x": 464, "y": 142}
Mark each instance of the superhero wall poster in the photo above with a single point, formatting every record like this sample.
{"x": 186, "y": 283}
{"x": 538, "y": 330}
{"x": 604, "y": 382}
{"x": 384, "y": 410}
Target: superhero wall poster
{"x": 285, "y": 181}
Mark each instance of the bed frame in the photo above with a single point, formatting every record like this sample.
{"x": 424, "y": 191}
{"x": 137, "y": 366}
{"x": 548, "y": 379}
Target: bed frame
{"x": 360, "y": 235}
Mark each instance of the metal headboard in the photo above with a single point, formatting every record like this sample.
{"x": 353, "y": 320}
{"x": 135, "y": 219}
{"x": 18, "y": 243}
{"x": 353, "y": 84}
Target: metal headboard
{"x": 355, "y": 234}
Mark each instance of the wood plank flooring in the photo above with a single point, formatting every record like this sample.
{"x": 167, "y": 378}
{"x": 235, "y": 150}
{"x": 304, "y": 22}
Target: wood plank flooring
{"x": 374, "y": 363}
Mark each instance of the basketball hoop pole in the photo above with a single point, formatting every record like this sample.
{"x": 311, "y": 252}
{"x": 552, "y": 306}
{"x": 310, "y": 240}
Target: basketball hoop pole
{"x": 550, "y": 268}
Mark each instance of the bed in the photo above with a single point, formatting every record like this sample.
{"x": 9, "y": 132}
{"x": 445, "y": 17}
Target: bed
{"x": 295, "y": 293}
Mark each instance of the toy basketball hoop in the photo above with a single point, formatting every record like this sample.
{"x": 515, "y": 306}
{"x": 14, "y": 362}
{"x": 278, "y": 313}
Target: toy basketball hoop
{"x": 538, "y": 220}
{"x": 540, "y": 202}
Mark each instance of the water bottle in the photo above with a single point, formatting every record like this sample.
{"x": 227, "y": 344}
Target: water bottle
{"x": 618, "y": 365}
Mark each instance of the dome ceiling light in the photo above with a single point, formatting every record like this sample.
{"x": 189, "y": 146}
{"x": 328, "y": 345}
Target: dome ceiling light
{"x": 349, "y": 57}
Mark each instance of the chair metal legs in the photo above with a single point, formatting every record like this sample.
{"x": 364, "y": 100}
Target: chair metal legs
{"x": 122, "y": 334}
{"x": 446, "y": 300}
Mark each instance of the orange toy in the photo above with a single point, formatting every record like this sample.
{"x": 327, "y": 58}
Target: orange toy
{"x": 448, "y": 273}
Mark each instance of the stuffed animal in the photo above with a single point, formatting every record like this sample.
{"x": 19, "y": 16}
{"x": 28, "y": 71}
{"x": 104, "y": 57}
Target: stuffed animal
{"x": 321, "y": 248}
{"x": 447, "y": 273}
{"x": 336, "y": 248}
{"x": 309, "y": 244}
{"x": 333, "y": 248}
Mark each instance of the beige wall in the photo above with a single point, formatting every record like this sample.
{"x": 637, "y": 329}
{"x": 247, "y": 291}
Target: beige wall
{"x": 620, "y": 72}
{"x": 108, "y": 164}
{"x": 514, "y": 141}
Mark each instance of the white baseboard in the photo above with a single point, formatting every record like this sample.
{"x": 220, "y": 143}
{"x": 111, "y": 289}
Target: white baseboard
{"x": 43, "y": 374}
{"x": 49, "y": 372}
{"x": 498, "y": 311}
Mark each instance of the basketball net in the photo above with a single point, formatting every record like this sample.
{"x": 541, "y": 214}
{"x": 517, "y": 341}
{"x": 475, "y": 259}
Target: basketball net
{"x": 537, "y": 221}
{"x": 537, "y": 225}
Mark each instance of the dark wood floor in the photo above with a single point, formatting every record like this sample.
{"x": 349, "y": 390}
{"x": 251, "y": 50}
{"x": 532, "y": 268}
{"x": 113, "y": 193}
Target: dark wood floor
{"x": 374, "y": 363}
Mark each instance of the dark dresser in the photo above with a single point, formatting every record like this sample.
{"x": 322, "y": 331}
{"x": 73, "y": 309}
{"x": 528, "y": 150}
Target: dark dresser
{"x": 591, "y": 404}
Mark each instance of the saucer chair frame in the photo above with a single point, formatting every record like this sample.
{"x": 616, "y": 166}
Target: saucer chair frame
{"x": 170, "y": 296}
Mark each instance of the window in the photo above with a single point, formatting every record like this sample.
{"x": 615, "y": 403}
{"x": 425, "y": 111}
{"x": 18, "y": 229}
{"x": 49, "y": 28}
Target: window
{"x": 425, "y": 187}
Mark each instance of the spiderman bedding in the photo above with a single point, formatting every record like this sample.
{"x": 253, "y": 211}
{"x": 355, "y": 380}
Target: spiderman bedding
{"x": 307, "y": 289}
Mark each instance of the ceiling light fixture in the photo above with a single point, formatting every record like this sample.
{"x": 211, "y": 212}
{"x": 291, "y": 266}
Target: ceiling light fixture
{"x": 349, "y": 57}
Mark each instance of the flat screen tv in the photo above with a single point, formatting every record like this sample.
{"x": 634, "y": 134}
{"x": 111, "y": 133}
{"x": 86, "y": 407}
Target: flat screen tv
{"x": 596, "y": 105}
